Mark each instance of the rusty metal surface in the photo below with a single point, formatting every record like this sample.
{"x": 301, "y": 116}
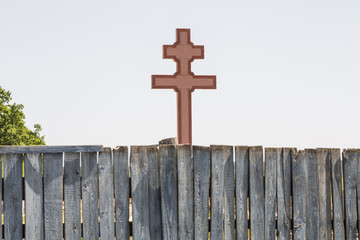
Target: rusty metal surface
{"x": 183, "y": 81}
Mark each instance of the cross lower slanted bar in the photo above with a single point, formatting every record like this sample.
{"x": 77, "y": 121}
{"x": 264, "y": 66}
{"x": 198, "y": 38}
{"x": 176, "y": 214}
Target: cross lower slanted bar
{"x": 183, "y": 81}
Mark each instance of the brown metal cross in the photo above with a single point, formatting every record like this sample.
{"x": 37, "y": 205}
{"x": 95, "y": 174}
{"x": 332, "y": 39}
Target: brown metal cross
{"x": 183, "y": 81}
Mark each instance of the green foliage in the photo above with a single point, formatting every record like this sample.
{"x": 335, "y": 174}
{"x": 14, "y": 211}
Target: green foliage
{"x": 12, "y": 125}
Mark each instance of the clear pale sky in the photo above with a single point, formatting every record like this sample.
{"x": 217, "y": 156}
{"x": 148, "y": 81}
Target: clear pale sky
{"x": 288, "y": 73}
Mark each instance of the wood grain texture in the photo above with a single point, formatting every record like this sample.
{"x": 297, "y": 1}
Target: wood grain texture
{"x": 169, "y": 196}
{"x": 49, "y": 149}
{"x": 217, "y": 193}
{"x": 222, "y": 192}
{"x": 358, "y": 186}
{"x": 170, "y": 193}
{"x": 271, "y": 158}
{"x": 185, "y": 192}
{"x": 299, "y": 180}
{"x": 13, "y": 196}
{"x": 152, "y": 154}
{"x": 283, "y": 176}
{"x": 229, "y": 200}
{"x": 106, "y": 195}
{"x": 90, "y": 195}
{"x": 34, "y": 215}
{"x": 324, "y": 167}
{"x": 337, "y": 194}
{"x": 53, "y": 196}
{"x": 242, "y": 188}
{"x": 350, "y": 174}
{"x": 139, "y": 192}
{"x": 121, "y": 182}
{"x": 201, "y": 191}
{"x": 256, "y": 193}
{"x": 312, "y": 197}
{"x": 72, "y": 195}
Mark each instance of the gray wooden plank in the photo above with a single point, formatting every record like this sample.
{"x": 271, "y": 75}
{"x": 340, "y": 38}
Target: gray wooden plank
{"x": 222, "y": 192}
{"x": 201, "y": 191}
{"x": 217, "y": 193}
{"x": 53, "y": 196}
{"x": 299, "y": 181}
{"x": 106, "y": 195}
{"x": 312, "y": 231}
{"x": 13, "y": 196}
{"x": 358, "y": 187}
{"x": 90, "y": 195}
{"x": 49, "y": 149}
{"x": 271, "y": 158}
{"x": 169, "y": 196}
{"x": 337, "y": 194}
{"x": 323, "y": 157}
{"x": 121, "y": 182}
{"x": 153, "y": 157}
{"x": 256, "y": 193}
{"x": 34, "y": 215}
{"x": 185, "y": 192}
{"x": 242, "y": 188}
{"x": 72, "y": 195}
{"x": 350, "y": 175}
{"x": 229, "y": 179}
{"x": 283, "y": 176}
{"x": 139, "y": 192}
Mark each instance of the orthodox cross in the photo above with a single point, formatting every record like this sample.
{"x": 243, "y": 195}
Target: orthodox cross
{"x": 183, "y": 81}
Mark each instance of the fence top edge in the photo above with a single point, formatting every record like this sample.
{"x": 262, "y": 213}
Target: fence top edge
{"x": 49, "y": 149}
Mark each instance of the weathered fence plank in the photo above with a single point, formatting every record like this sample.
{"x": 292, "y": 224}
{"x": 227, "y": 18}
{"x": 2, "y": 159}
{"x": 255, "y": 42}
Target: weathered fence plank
{"x": 217, "y": 193}
{"x": 222, "y": 192}
{"x": 299, "y": 180}
{"x": 168, "y": 182}
{"x": 242, "y": 188}
{"x": 106, "y": 195}
{"x": 271, "y": 158}
{"x": 283, "y": 176}
{"x": 13, "y": 196}
{"x": 312, "y": 197}
{"x": 121, "y": 182}
{"x": 229, "y": 179}
{"x": 323, "y": 158}
{"x": 139, "y": 192}
{"x": 34, "y": 216}
{"x": 358, "y": 187}
{"x": 49, "y": 149}
{"x": 201, "y": 191}
{"x": 256, "y": 193}
{"x": 185, "y": 192}
{"x": 90, "y": 195}
{"x": 337, "y": 194}
{"x": 350, "y": 174}
{"x": 152, "y": 154}
{"x": 53, "y": 196}
{"x": 72, "y": 195}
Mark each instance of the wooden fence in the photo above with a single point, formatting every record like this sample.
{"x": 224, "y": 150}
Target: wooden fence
{"x": 179, "y": 192}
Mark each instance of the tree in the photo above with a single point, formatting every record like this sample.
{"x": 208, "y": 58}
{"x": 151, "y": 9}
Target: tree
{"x": 12, "y": 125}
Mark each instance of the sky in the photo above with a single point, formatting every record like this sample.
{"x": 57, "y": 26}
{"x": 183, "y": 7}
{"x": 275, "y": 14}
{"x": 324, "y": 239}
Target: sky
{"x": 288, "y": 72}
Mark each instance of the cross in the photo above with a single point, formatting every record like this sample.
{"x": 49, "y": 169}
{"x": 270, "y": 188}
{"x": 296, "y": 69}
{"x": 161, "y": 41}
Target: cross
{"x": 183, "y": 81}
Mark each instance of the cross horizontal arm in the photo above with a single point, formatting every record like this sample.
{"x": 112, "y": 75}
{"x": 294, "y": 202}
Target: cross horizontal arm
{"x": 163, "y": 82}
{"x": 204, "y": 82}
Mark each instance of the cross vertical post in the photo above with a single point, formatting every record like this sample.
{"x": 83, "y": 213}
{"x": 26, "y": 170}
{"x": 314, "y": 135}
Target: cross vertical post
{"x": 183, "y": 81}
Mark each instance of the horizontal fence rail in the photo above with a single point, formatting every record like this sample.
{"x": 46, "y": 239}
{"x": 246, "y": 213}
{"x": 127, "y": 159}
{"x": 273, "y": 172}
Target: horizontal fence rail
{"x": 179, "y": 192}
